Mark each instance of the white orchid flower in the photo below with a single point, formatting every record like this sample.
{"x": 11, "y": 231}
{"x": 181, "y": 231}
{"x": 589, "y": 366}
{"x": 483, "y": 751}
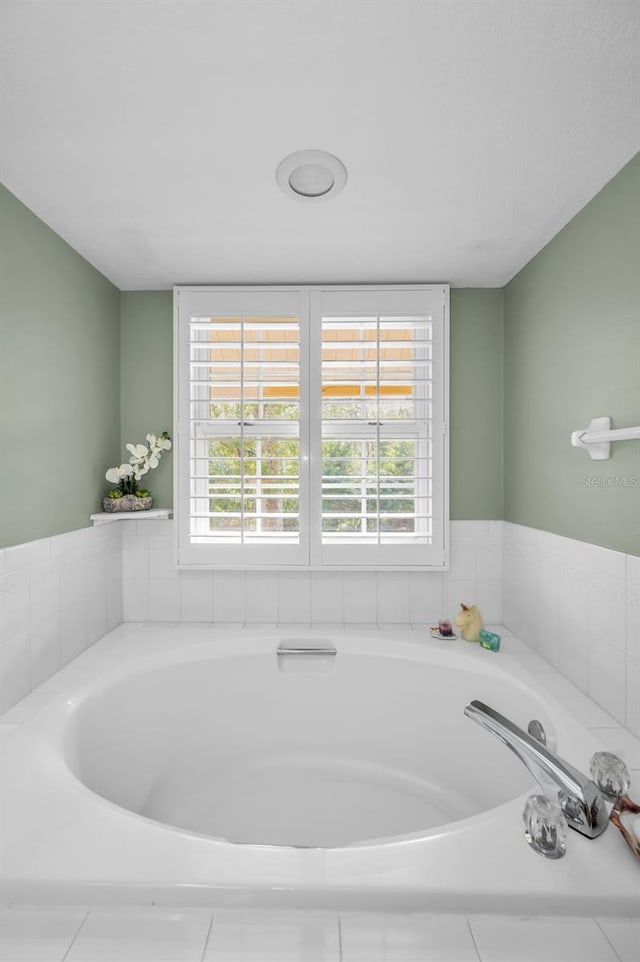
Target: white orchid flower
{"x": 115, "y": 475}
{"x": 137, "y": 450}
{"x": 143, "y": 459}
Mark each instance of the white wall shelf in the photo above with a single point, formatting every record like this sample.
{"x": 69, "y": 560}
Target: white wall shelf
{"x": 153, "y": 514}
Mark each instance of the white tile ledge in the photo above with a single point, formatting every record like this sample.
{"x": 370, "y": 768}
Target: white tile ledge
{"x": 152, "y": 514}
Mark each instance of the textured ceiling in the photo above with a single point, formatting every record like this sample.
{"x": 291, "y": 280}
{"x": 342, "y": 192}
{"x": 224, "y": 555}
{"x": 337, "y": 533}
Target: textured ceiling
{"x": 147, "y": 133}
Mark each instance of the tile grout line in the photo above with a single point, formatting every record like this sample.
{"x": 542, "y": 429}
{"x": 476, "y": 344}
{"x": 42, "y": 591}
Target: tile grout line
{"x": 615, "y": 951}
{"x": 473, "y": 939}
{"x": 73, "y": 940}
{"x": 612, "y": 728}
{"x": 208, "y": 936}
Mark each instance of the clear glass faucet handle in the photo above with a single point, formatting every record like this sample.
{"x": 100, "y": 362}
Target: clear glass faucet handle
{"x": 610, "y": 774}
{"x": 545, "y": 828}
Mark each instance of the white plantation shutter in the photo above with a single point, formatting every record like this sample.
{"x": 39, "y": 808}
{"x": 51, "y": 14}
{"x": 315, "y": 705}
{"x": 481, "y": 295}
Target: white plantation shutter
{"x": 240, "y": 417}
{"x": 311, "y": 426}
{"x": 380, "y": 475}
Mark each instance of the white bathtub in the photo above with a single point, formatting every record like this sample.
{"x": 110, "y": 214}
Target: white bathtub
{"x": 214, "y": 772}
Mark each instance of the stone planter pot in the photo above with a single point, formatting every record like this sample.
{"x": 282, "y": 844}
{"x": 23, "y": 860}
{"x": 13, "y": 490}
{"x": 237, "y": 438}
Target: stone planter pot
{"x": 129, "y": 502}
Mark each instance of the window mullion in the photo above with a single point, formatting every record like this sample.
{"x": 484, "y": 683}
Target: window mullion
{"x": 378, "y": 426}
{"x": 242, "y": 488}
{"x": 311, "y": 378}
{"x": 260, "y": 412}
{"x": 363, "y": 444}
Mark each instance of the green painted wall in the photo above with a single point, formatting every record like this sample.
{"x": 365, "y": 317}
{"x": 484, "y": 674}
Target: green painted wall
{"x": 476, "y": 404}
{"x": 476, "y": 389}
{"x": 147, "y": 380}
{"x": 59, "y": 380}
{"x": 571, "y": 353}
{"x": 84, "y": 369}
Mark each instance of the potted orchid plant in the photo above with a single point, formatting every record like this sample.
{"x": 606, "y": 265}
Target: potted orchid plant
{"x": 127, "y": 496}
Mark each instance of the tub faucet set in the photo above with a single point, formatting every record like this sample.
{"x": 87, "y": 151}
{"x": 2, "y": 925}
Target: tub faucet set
{"x": 571, "y": 798}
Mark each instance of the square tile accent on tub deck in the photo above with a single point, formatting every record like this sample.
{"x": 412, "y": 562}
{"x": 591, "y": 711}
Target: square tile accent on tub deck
{"x": 624, "y": 935}
{"x": 540, "y": 940}
{"x": 272, "y": 937}
{"x": 406, "y": 938}
{"x": 141, "y": 935}
{"x": 38, "y": 934}
{"x": 145, "y": 934}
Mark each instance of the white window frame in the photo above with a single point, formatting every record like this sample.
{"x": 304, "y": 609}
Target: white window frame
{"x": 310, "y": 553}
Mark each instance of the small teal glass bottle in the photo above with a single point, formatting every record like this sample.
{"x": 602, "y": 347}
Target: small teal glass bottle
{"x": 489, "y": 639}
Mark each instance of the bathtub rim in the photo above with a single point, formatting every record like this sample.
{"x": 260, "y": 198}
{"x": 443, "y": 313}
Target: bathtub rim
{"x": 406, "y": 891}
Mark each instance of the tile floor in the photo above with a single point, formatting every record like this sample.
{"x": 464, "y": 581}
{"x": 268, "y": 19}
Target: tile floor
{"x": 32, "y": 934}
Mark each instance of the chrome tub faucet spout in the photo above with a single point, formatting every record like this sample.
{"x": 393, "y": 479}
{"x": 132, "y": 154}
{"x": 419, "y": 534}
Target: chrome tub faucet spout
{"x": 583, "y": 804}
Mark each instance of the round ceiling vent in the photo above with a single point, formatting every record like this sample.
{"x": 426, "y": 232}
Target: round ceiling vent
{"x": 311, "y": 175}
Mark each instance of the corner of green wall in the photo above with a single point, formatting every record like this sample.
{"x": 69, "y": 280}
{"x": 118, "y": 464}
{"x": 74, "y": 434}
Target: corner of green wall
{"x": 146, "y": 326}
{"x": 572, "y": 353}
{"x": 476, "y": 392}
{"x": 59, "y": 379}
{"x": 558, "y": 345}
{"x": 476, "y": 403}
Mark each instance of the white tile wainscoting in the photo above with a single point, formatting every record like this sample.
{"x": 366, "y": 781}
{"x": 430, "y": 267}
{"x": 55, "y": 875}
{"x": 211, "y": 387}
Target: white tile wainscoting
{"x": 58, "y": 596}
{"x": 155, "y": 591}
{"x": 578, "y": 606}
